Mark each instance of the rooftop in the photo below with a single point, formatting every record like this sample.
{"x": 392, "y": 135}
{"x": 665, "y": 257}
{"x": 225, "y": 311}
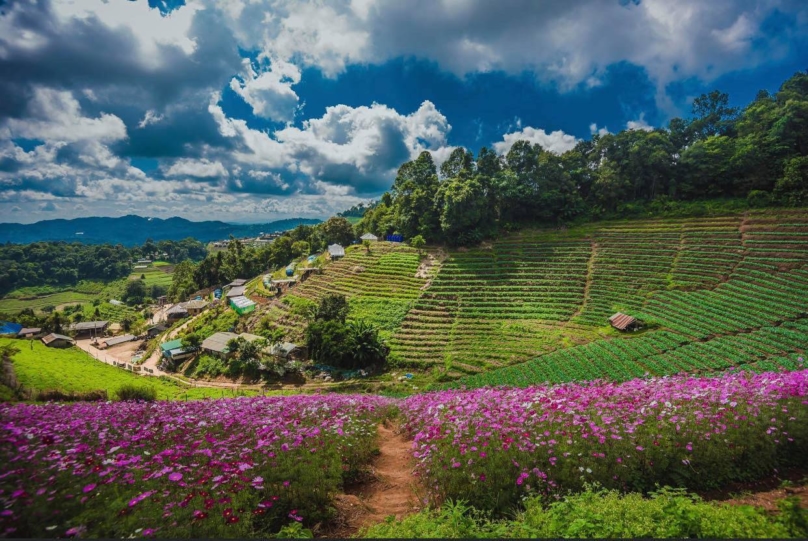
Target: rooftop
{"x": 218, "y": 342}
{"x": 237, "y": 282}
{"x": 173, "y": 344}
{"x": 89, "y": 325}
{"x": 622, "y": 321}
{"x": 177, "y": 309}
{"x": 196, "y": 304}
{"x": 52, "y": 337}
{"x": 29, "y": 330}
{"x": 236, "y": 291}
{"x": 242, "y": 302}
{"x": 119, "y": 340}
{"x": 336, "y": 250}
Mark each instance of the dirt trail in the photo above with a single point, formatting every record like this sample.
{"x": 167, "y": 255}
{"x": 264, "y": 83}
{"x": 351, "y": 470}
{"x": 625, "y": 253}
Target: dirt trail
{"x": 391, "y": 490}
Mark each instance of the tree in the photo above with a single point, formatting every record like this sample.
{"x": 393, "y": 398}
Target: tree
{"x": 338, "y": 230}
{"x": 418, "y": 243}
{"x": 366, "y": 348}
{"x": 126, "y": 323}
{"x": 366, "y": 244}
{"x": 135, "y": 291}
{"x": 332, "y": 307}
{"x": 301, "y": 248}
{"x": 191, "y": 341}
{"x": 712, "y": 115}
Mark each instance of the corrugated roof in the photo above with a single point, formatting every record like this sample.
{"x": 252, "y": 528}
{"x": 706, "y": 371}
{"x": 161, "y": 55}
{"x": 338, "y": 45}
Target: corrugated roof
{"x": 285, "y": 348}
{"x": 237, "y": 282}
{"x": 118, "y": 340}
{"x": 336, "y": 250}
{"x": 236, "y": 291}
{"x": 177, "y": 309}
{"x": 52, "y": 337}
{"x": 218, "y": 342}
{"x": 622, "y": 321}
{"x": 196, "y": 304}
{"x": 172, "y": 344}
{"x": 89, "y": 325}
{"x": 29, "y": 330}
{"x": 242, "y": 302}
{"x": 369, "y": 236}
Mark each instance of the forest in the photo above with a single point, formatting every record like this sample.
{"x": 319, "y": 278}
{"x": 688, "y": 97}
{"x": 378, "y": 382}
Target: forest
{"x": 759, "y": 153}
{"x": 65, "y": 264}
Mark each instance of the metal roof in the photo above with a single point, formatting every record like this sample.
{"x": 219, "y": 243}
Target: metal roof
{"x": 622, "y": 321}
{"x": 118, "y": 340}
{"x": 336, "y": 250}
{"x": 369, "y": 236}
{"x": 218, "y": 342}
{"x": 242, "y": 302}
{"x": 29, "y": 330}
{"x": 196, "y": 304}
{"x": 285, "y": 348}
{"x": 172, "y": 344}
{"x": 177, "y": 309}
{"x": 89, "y": 325}
{"x": 237, "y": 282}
{"x": 236, "y": 291}
{"x": 52, "y": 337}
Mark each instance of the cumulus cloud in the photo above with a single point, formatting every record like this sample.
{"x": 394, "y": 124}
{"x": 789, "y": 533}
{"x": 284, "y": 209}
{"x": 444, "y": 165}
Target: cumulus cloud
{"x": 50, "y": 206}
{"x": 269, "y": 92}
{"x": 639, "y": 124}
{"x": 203, "y": 168}
{"x": 557, "y": 141}
{"x": 594, "y": 130}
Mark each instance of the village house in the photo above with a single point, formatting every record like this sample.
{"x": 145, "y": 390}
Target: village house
{"x": 29, "y": 332}
{"x": 369, "y": 236}
{"x": 335, "y": 251}
{"x": 196, "y": 307}
{"x": 110, "y": 342}
{"x": 155, "y": 330}
{"x": 54, "y": 340}
{"x": 287, "y": 351}
{"x": 176, "y": 312}
{"x": 173, "y": 350}
{"x": 242, "y": 305}
{"x": 88, "y": 329}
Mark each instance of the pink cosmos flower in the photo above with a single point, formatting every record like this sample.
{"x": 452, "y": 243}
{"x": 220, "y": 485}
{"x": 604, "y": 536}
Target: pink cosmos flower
{"x": 175, "y": 476}
{"x": 89, "y": 488}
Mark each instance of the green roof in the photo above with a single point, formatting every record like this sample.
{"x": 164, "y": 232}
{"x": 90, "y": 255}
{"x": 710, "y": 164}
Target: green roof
{"x": 173, "y": 344}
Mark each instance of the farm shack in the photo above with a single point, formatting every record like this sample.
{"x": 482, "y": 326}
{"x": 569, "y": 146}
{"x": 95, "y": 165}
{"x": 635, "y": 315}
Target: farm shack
{"x": 176, "y": 312}
{"x": 623, "y": 322}
{"x": 242, "y": 305}
{"x": 54, "y": 340}
{"x": 89, "y": 328}
{"x": 236, "y": 291}
{"x": 155, "y": 330}
{"x": 174, "y": 351}
{"x": 369, "y": 236}
{"x": 29, "y": 332}
{"x": 196, "y": 307}
{"x": 216, "y": 344}
{"x": 335, "y": 251}
{"x": 287, "y": 351}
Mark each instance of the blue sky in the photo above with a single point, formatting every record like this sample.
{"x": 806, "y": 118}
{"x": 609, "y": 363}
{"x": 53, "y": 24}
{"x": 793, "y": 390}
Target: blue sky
{"x": 255, "y": 111}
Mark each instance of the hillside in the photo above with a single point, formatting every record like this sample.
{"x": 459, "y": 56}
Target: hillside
{"x": 712, "y": 292}
{"x": 134, "y": 230}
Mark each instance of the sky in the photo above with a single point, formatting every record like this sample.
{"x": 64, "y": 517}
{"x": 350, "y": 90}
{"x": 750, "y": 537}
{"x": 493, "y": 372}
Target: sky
{"x": 258, "y": 110}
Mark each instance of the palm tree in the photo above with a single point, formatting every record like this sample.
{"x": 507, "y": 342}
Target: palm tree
{"x": 366, "y": 347}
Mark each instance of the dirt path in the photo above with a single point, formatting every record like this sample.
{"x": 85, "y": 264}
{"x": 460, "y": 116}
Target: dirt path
{"x": 391, "y": 489}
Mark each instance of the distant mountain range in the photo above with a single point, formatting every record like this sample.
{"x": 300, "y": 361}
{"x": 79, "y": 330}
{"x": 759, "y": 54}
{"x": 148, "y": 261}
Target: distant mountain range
{"x": 134, "y": 230}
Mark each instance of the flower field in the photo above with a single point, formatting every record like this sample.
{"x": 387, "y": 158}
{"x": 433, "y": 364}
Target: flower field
{"x": 221, "y": 468}
{"x": 492, "y": 446}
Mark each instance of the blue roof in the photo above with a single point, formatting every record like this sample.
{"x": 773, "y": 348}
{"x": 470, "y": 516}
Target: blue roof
{"x": 7, "y": 327}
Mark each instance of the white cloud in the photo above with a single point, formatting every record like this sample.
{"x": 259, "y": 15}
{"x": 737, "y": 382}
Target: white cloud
{"x": 269, "y": 92}
{"x": 639, "y": 124}
{"x": 204, "y": 168}
{"x": 557, "y": 141}
{"x": 55, "y": 116}
{"x": 151, "y": 117}
{"x": 593, "y": 129}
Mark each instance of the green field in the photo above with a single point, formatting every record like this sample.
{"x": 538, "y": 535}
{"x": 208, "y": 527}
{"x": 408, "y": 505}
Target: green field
{"x": 159, "y": 273}
{"x": 73, "y": 370}
{"x": 37, "y": 298}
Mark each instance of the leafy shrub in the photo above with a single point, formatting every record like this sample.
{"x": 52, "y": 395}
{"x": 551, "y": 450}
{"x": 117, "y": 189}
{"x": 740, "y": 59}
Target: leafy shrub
{"x": 595, "y": 514}
{"x": 209, "y": 366}
{"x": 136, "y": 392}
{"x": 56, "y": 395}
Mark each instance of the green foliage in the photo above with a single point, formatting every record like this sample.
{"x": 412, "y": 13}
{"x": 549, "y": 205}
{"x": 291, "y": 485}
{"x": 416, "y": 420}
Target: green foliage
{"x": 337, "y": 230}
{"x": 332, "y": 307}
{"x": 73, "y": 371}
{"x": 668, "y": 513}
{"x": 209, "y": 366}
{"x": 131, "y": 392}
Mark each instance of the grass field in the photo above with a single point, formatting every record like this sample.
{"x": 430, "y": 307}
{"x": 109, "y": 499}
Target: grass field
{"x": 73, "y": 370}
{"x": 158, "y": 274}
{"x": 37, "y": 298}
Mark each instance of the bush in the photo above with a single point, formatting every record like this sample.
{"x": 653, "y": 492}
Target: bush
{"x": 595, "y": 514}
{"x": 55, "y": 395}
{"x": 758, "y": 199}
{"x": 136, "y": 392}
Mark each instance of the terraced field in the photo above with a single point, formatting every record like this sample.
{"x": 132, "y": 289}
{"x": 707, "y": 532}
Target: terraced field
{"x": 159, "y": 273}
{"x": 380, "y": 286}
{"x": 715, "y": 294}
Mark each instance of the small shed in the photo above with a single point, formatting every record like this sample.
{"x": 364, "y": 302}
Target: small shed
{"x": 335, "y": 251}
{"x": 178, "y": 311}
{"x": 236, "y": 283}
{"x": 29, "y": 332}
{"x": 369, "y": 236}
{"x": 623, "y": 322}
{"x": 287, "y": 351}
{"x": 154, "y": 330}
{"x": 242, "y": 305}
{"x": 54, "y": 340}
{"x": 114, "y": 341}
{"x": 236, "y": 291}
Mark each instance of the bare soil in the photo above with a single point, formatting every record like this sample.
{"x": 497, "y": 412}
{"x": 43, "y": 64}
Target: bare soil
{"x": 766, "y": 492}
{"x": 389, "y": 489}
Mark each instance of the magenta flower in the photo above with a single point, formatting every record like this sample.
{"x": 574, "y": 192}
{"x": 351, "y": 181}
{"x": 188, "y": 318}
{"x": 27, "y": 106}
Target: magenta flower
{"x": 175, "y": 476}
{"x": 89, "y": 488}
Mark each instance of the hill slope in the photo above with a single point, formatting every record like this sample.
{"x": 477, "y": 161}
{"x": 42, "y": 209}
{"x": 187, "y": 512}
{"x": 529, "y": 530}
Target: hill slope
{"x": 713, "y": 292}
{"x": 133, "y": 230}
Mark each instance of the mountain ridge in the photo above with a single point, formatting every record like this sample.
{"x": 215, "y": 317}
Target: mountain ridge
{"x": 132, "y": 230}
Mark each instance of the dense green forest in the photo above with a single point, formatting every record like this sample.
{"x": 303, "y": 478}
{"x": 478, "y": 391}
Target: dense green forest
{"x": 759, "y": 153}
{"x": 65, "y": 264}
